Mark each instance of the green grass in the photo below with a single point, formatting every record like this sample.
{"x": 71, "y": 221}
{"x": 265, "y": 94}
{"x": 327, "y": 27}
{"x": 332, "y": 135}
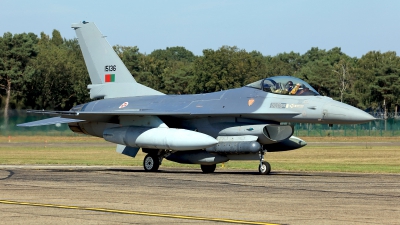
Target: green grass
{"x": 351, "y": 157}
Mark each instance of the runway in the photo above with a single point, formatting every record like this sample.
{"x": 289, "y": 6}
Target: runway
{"x": 227, "y": 196}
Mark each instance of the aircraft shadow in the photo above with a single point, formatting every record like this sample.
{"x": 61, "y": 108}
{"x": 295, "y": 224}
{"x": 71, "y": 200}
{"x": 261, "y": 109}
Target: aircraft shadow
{"x": 179, "y": 171}
{"x": 235, "y": 172}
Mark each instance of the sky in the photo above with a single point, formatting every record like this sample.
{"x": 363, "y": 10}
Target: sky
{"x": 268, "y": 26}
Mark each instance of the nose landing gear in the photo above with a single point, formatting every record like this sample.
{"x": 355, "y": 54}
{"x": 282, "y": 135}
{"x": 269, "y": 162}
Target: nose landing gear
{"x": 264, "y": 168}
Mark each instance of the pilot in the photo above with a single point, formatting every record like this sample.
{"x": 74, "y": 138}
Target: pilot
{"x": 289, "y": 86}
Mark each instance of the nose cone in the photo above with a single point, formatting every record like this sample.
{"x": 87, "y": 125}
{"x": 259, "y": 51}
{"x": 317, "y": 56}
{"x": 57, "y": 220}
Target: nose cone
{"x": 340, "y": 113}
{"x": 360, "y": 116}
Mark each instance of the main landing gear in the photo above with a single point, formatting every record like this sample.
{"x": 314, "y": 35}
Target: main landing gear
{"x": 264, "y": 168}
{"x": 151, "y": 162}
{"x": 153, "y": 159}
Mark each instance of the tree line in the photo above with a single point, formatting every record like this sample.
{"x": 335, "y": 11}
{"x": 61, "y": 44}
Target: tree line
{"x": 48, "y": 72}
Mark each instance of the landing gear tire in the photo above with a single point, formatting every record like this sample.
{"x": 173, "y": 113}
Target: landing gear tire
{"x": 264, "y": 168}
{"x": 208, "y": 168}
{"x": 151, "y": 163}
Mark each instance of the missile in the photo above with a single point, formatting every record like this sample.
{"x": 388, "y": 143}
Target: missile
{"x": 159, "y": 138}
{"x": 233, "y": 147}
{"x": 266, "y": 133}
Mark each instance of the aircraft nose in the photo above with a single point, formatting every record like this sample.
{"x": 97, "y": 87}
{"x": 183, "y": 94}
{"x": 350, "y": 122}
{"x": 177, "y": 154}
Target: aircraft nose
{"x": 341, "y": 113}
{"x": 361, "y": 117}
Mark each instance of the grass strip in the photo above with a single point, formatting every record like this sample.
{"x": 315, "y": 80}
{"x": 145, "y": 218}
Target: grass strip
{"x": 349, "y": 157}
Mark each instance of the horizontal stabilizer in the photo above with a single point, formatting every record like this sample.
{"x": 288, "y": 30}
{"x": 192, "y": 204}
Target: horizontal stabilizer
{"x": 48, "y": 121}
{"x": 44, "y": 112}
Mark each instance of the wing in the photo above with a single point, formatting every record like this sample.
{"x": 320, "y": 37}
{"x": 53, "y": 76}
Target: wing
{"x": 108, "y": 116}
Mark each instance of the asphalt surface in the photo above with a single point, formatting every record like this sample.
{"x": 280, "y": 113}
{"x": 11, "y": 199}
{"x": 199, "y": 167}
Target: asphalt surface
{"x": 82, "y": 195}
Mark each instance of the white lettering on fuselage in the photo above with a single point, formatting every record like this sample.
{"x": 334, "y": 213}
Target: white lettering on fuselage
{"x": 285, "y": 105}
{"x": 297, "y": 106}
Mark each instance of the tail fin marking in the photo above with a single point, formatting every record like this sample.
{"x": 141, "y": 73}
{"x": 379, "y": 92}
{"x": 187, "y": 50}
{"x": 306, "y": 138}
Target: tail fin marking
{"x": 109, "y": 76}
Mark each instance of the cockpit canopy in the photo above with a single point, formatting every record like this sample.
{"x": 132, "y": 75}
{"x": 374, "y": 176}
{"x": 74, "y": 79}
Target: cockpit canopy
{"x": 284, "y": 85}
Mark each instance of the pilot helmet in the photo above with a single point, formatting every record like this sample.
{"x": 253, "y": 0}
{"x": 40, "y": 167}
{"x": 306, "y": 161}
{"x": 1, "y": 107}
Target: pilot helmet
{"x": 289, "y": 85}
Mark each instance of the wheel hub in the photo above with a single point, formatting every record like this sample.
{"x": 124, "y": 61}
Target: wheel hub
{"x": 149, "y": 163}
{"x": 263, "y": 168}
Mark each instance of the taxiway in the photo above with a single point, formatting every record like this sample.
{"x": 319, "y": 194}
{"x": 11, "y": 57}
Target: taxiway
{"x": 241, "y": 196}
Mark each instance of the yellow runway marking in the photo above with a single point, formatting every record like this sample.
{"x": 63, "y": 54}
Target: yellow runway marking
{"x": 136, "y": 213}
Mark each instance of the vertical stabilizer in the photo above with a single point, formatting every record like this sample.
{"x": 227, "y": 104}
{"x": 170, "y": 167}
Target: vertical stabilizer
{"x": 109, "y": 76}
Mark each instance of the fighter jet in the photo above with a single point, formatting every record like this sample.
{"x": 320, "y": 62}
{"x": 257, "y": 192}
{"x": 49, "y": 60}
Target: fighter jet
{"x": 205, "y": 129}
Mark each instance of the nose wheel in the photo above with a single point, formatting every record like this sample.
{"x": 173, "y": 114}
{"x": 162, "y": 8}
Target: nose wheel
{"x": 264, "y": 168}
